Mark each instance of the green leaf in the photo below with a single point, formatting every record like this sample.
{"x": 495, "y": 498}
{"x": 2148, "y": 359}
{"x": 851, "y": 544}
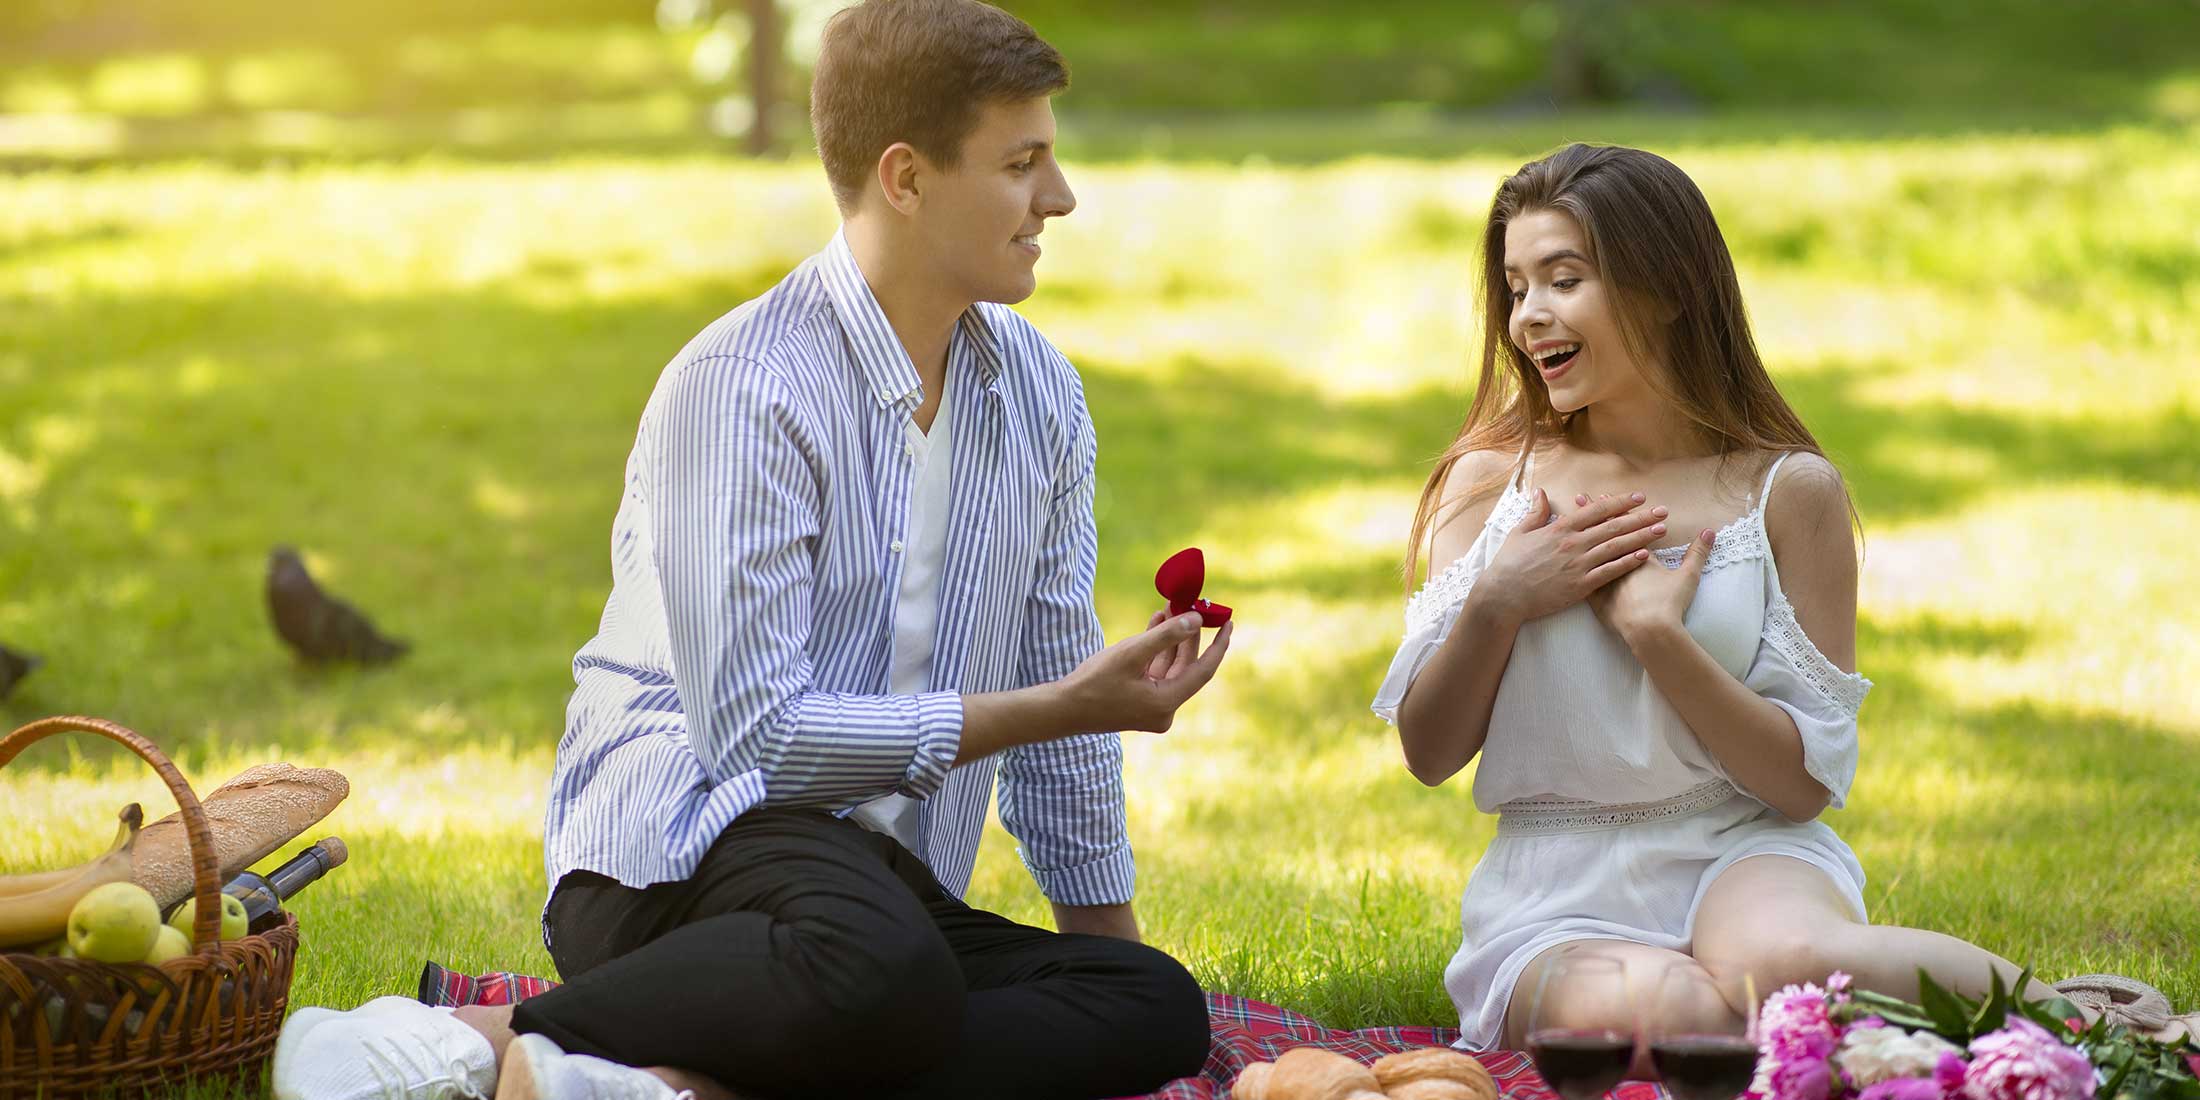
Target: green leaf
{"x": 1950, "y": 1015}
{"x": 1993, "y": 1012}
{"x": 1893, "y": 1010}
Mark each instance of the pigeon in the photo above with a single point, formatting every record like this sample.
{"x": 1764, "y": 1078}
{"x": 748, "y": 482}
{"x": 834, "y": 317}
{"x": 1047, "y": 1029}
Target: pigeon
{"x": 13, "y": 667}
{"x": 317, "y": 626}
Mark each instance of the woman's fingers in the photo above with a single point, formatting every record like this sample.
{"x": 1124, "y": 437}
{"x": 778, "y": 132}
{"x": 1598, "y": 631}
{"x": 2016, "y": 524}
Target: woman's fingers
{"x": 1627, "y": 542}
{"x": 1615, "y": 569}
{"x": 1601, "y": 509}
{"x": 1626, "y": 522}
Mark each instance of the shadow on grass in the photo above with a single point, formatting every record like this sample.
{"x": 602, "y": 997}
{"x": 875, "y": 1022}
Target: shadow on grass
{"x": 452, "y": 462}
{"x": 1866, "y": 438}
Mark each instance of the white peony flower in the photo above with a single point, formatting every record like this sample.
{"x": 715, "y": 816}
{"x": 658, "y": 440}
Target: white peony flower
{"x": 1875, "y": 1054}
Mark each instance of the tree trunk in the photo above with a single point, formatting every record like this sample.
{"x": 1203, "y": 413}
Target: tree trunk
{"x": 764, "y": 54}
{"x": 1580, "y": 50}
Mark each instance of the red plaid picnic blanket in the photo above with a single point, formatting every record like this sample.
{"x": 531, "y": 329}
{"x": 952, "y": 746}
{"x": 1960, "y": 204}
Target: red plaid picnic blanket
{"x": 1245, "y": 1032}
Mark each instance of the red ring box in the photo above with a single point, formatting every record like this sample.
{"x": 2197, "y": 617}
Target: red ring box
{"x": 1179, "y": 581}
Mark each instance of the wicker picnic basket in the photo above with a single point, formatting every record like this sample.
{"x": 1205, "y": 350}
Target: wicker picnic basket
{"x": 73, "y": 1027}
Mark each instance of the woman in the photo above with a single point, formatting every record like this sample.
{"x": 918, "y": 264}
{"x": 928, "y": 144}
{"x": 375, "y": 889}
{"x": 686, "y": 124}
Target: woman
{"x": 1642, "y": 615}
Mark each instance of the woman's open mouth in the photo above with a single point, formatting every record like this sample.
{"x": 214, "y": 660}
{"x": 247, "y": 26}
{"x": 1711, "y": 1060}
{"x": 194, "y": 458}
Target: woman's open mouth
{"x": 1554, "y": 361}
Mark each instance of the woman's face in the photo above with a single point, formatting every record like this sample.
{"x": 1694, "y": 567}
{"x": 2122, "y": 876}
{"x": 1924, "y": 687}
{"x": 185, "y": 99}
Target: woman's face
{"x": 1563, "y": 313}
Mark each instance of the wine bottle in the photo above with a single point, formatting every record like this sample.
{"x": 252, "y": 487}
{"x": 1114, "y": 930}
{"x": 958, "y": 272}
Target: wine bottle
{"x": 264, "y": 895}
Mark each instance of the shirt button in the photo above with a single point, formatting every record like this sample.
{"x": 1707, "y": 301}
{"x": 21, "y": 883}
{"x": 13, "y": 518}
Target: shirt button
{"x": 895, "y": 546}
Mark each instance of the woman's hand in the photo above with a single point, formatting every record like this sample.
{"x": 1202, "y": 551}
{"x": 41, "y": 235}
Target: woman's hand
{"x": 1648, "y": 602}
{"x": 1548, "y": 564}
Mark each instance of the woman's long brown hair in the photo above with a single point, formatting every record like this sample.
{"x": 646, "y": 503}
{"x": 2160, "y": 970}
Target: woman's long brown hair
{"x": 1654, "y": 241}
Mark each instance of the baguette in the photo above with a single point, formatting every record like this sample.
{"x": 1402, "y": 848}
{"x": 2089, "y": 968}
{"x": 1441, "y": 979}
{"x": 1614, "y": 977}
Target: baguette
{"x": 260, "y": 810}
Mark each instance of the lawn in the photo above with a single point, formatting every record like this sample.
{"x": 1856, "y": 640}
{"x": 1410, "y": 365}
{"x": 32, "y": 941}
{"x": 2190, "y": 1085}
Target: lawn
{"x": 426, "y": 373}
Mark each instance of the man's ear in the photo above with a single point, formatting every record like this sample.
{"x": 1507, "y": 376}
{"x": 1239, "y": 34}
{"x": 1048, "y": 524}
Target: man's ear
{"x": 898, "y": 169}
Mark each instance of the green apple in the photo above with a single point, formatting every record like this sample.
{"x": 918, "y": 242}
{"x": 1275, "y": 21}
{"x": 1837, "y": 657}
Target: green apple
{"x": 117, "y": 922}
{"x": 234, "y": 921}
{"x": 57, "y": 947}
{"x": 168, "y": 944}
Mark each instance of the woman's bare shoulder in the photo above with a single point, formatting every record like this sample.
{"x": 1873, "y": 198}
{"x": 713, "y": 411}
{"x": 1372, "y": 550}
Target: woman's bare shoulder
{"x": 1807, "y": 492}
{"x": 1470, "y": 493}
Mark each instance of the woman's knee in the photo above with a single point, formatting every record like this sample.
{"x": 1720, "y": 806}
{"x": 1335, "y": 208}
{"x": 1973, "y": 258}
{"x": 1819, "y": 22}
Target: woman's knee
{"x": 1770, "y": 955}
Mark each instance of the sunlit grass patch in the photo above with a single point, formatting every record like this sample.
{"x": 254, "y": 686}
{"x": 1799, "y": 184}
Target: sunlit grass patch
{"x": 426, "y": 374}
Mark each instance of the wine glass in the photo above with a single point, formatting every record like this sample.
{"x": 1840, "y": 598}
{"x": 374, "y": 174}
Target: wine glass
{"x": 1582, "y": 1062}
{"x": 1702, "y": 1049}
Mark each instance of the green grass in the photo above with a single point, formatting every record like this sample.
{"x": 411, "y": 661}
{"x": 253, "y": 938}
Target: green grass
{"x": 427, "y": 374}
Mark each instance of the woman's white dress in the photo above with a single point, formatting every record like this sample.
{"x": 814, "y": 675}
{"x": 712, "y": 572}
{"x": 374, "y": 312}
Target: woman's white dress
{"x": 1613, "y": 818}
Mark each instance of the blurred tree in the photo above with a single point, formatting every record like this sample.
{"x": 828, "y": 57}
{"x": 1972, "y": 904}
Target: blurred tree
{"x": 766, "y": 41}
{"x": 755, "y": 41}
{"x": 1581, "y": 51}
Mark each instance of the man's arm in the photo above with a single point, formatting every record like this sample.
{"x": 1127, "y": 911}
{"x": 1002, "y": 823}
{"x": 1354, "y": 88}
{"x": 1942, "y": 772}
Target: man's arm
{"x": 736, "y": 509}
{"x": 1063, "y": 799}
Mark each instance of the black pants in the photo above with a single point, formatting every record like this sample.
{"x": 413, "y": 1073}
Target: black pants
{"x": 810, "y": 957}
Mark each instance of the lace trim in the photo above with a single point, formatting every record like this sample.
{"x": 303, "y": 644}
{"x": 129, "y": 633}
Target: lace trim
{"x": 1737, "y": 542}
{"x": 1741, "y": 540}
{"x": 1444, "y": 591}
{"x": 1448, "y": 589}
{"x": 1843, "y": 689}
{"x": 1511, "y": 509}
{"x": 1536, "y": 817}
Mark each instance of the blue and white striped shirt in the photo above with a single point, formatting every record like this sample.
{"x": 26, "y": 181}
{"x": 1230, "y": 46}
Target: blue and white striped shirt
{"x": 743, "y": 656}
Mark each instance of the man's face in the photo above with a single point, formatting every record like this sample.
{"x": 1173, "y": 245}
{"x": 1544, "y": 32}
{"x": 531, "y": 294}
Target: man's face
{"x": 981, "y": 219}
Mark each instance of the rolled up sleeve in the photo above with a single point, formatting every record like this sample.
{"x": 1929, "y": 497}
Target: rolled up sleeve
{"x": 738, "y": 482}
{"x": 1063, "y": 800}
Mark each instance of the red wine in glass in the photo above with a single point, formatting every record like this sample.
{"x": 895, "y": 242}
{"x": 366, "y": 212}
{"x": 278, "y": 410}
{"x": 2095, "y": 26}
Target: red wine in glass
{"x": 1581, "y": 1065}
{"x": 1704, "y": 1067}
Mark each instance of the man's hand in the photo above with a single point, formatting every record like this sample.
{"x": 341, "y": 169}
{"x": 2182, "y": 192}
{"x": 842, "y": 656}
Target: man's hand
{"x": 1135, "y": 684}
{"x": 1098, "y": 920}
{"x": 1139, "y": 682}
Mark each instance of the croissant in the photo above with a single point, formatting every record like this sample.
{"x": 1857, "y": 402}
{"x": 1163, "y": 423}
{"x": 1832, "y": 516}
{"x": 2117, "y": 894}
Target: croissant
{"x": 1307, "y": 1073}
{"x": 1435, "y": 1088}
{"x": 1433, "y": 1073}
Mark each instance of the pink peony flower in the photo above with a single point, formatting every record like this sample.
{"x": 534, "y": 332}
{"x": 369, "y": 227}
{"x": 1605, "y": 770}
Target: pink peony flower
{"x": 1837, "y": 985}
{"x": 1903, "y": 1088}
{"x": 1795, "y": 1020}
{"x": 1795, "y": 1037}
{"x": 2024, "y": 1062}
{"x": 1802, "y": 1079}
{"x": 1950, "y": 1072}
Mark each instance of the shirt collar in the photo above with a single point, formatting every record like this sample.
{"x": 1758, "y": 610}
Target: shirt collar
{"x": 879, "y": 354}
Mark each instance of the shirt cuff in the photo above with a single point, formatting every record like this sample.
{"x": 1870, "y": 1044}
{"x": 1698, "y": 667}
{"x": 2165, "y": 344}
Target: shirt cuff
{"x": 1106, "y": 879}
{"x": 939, "y": 737}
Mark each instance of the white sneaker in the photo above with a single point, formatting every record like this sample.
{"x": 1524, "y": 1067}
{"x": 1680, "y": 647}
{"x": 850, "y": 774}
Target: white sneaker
{"x": 391, "y": 1048}
{"x": 536, "y": 1069}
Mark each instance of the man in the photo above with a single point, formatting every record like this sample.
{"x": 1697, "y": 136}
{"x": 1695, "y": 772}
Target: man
{"x": 853, "y": 574}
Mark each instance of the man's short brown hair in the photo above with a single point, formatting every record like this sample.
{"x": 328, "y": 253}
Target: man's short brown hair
{"x": 918, "y": 71}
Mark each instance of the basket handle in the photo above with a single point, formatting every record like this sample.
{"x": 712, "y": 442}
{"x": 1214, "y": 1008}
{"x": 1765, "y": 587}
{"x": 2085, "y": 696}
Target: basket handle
{"x": 206, "y": 923}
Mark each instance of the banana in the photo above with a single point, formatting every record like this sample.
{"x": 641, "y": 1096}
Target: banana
{"x": 35, "y": 908}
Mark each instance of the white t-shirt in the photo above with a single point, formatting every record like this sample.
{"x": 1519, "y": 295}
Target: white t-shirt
{"x": 917, "y": 607}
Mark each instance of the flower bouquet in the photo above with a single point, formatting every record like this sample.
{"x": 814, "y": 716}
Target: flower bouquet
{"x": 1833, "y": 1043}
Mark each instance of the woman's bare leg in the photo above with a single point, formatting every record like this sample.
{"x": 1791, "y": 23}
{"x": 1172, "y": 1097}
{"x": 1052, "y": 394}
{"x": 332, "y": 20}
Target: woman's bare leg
{"x": 1780, "y": 921}
{"x": 1587, "y": 1003}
